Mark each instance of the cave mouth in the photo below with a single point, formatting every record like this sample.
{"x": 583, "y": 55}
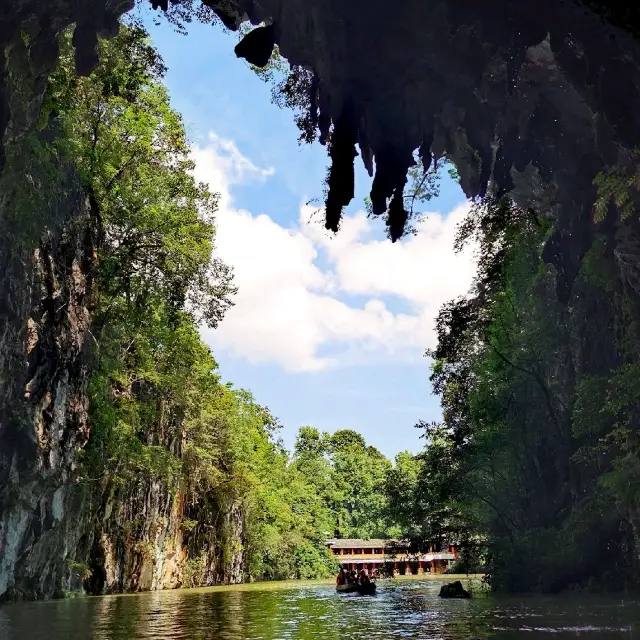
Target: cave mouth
{"x": 535, "y": 103}
{"x": 526, "y": 101}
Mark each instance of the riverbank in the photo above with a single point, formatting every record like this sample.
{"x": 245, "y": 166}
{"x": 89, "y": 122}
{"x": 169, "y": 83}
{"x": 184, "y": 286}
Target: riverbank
{"x": 284, "y": 585}
{"x": 441, "y": 577}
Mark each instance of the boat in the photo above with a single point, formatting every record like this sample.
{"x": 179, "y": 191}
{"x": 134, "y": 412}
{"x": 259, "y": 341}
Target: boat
{"x": 363, "y": 589}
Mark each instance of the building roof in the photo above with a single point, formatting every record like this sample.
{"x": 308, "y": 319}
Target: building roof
{"x": 356, "y": 543}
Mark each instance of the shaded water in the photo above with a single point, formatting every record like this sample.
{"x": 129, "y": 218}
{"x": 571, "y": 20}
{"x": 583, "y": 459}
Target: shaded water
{"x": 401, "y": 609}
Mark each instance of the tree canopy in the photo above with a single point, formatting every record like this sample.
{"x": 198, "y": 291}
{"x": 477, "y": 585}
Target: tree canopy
{"x": 533, "y": 469}
{"x": 160, "y": 413}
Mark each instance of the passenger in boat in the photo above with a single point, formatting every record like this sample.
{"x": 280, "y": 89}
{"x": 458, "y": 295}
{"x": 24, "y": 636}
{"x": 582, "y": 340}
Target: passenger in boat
{"x": 363, "y": 578}
{"x": 342, "y": 577}
{"x": 353, "y": 579}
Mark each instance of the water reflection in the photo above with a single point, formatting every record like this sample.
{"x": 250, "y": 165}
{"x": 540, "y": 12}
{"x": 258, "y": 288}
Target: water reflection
{"x": 400, "y": 610}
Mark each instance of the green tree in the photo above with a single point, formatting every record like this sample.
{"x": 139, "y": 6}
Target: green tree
{"x": 358, "y": 475}
{"x": 535, "y": 460}
{"x": 154, "y": 222}
{"x": 401, "y": 492}
{"x": 153, "y": 268}
{"x": 311, "y": 461}
{"x": 357, "y": 492}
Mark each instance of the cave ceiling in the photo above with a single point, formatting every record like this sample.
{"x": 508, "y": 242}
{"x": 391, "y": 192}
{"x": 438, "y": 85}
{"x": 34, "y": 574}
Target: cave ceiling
{"x": 527, "y": 98}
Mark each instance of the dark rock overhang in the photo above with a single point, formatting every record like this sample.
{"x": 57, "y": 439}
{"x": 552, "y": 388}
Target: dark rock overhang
{"x": 532, "y": 98}
{"x": 43, "y": 21}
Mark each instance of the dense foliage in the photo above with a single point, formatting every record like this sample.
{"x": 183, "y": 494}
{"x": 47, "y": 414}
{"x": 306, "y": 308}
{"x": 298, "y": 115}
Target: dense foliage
{"x": 160, "y": 416}
{"x": 535, "y": 468}
{"x": 158, "y": 408}
{"x": 355, "y": 485}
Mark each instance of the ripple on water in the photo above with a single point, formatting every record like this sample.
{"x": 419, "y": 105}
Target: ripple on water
{"x": 399, "y": 610}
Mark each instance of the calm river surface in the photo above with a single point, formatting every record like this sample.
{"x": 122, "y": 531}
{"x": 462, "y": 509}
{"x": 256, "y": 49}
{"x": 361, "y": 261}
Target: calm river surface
{"x": 279, "y": 611}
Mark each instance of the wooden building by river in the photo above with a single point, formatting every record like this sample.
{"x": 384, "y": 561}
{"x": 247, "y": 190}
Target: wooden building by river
{"x": 376, "y": 554}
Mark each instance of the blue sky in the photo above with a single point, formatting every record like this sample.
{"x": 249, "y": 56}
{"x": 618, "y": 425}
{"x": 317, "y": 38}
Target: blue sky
{"x": 326, "y": 331}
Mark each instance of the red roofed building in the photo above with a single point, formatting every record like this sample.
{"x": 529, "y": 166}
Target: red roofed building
{"x": 354, "y": 554}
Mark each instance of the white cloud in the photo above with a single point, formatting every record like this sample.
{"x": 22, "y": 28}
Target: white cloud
{"x": 288, "y": 309}
{"x": 221, "y": 165}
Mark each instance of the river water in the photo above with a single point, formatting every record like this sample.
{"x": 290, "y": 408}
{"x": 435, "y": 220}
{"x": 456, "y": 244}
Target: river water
{"x": 282, "y": 611}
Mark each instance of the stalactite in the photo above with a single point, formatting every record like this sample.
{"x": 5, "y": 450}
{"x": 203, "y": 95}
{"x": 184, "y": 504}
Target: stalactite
{"x": 341, "y": 180}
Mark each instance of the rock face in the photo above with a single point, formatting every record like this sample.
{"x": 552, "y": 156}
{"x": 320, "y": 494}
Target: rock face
{"x": 536, "y": 98}
{"x": 140, "y": 542}
{"x": 454, "y": 590}
{"x": 45, "y": 294}
{"x": 57, "y": 535}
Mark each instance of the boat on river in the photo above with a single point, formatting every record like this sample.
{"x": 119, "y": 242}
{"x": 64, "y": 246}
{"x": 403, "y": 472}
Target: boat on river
{"x": 363, "y": 589}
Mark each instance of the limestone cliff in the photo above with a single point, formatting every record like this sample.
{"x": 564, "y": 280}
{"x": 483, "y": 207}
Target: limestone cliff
{"x": 44, "y": 324}
{"x": 144, "y": 540}
{"x": 47, "y": 250}
{"x": 57, "y": 533}
{"x": 59, "y": 529}
{"x": 536, "y": 97}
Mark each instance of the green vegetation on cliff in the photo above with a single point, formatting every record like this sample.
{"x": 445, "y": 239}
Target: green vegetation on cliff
{"x": 536, "y": 467}
{"x": 159, "y": 412}
{"x": 168, "y": 440}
